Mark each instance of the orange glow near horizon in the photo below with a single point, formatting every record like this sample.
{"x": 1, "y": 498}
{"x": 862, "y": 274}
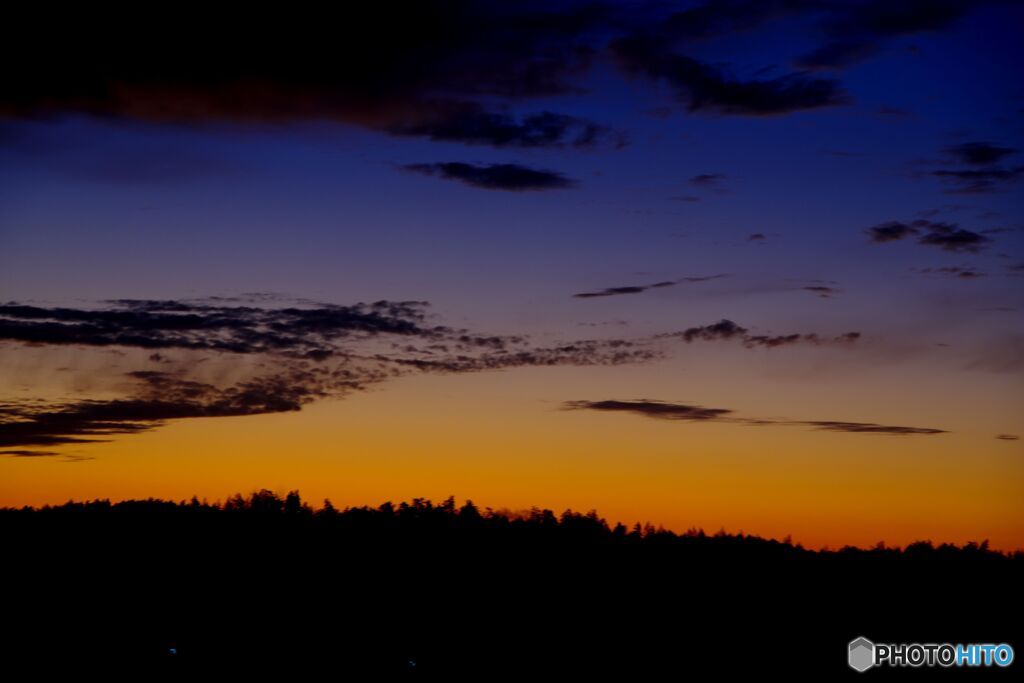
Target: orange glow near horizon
{"x": 502, "y": 440}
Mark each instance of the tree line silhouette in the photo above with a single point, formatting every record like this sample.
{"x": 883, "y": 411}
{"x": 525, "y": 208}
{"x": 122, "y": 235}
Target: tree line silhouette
{"x": 421, "y": 588}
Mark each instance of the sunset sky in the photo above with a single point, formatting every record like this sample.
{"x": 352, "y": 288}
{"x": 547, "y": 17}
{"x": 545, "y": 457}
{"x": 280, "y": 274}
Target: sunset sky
{"x": 745, "y": 265}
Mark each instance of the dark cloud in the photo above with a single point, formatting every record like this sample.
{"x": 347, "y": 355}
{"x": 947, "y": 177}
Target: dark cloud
{"x": 473, "y": 125}
{"x": 662, "y": 410}
{"x": 951, "y": 238}
{"x": 978, "y": 181}
{"x": 837, "y": 54}
{"x": 821, "y": 290}
{"x": 299, "y": 332}
{"x": 616, "y": 291}
{"x": 717, "y": 18}
{"x": 897, "y": 17}
{"x": 27, "y": 454}
{"x": 707, "y": 179}
{"x": 319, "y": 333}
{"x": 982, "y": 175}
{"x": 959, "y": 272}
{"x": 588, "y": 352}
{"x": 980, "y": 153}
{"x": 757, "y": 237}
{"x": 657, "y": 409}
{"x": 1007, "y": 437}
{"x": 301, "y": 355}
{"x": 702, "y": 278}
{"x": 637, "y": 289}
{"x": 162, "y": 397}
{"x": 855, "y": 31}
{"x": 406, "y": 68}
{"x": 383, "y": 63}
{"x": 868, "y": 428}
{"x": 426, "y": 68}
{"x": 510, "y": 177}
{"x": 891, "y": 231}
{"x": 727, "y": 329}
{"x": 706, "y": 87}
{"x": 429, "y": 69}
{"x": 772, "y": 341}
{"x": 946, "y": 236}
{"x": 724, "y": 329}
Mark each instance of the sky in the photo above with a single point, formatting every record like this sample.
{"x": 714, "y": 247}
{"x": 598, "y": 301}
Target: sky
{"x": 753, "y": 266}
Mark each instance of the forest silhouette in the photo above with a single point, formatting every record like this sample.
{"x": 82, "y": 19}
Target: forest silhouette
{"x": 265, "y": 583}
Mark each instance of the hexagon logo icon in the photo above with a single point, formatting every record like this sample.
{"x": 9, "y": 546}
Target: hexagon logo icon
{"x": 861, "y": 654}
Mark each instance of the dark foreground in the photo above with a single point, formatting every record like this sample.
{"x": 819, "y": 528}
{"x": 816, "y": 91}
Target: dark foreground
{"x": 266, "y": 588}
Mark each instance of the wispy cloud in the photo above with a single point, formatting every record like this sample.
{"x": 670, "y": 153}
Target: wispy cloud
{"x": 980, "y": 153}
{"x": 283, "y": 358}
{"x": 28, "y": 454}
{"x": 161, "y": 397}
{"x": 663, "y": 410}
{"x": 508, "y": 177}
{"x": 707, "y": 179}
{"x": 822, "y": 291}
{"x": 959, "y": 272}
{"x": 856, "y": 31}
{"x": 704, "y": 87}
{"x": 981, "y": 173}
{"x": 978, "y": 181}
{"x": 471, "y": 124}
{"x": 638, "y": 289}
{"x": 311, "y": 332}
{"x": 728, "y": 330}
{"x": 945, "y": 236}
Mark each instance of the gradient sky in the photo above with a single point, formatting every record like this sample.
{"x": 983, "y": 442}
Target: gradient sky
{"x": 796, "y": 228}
